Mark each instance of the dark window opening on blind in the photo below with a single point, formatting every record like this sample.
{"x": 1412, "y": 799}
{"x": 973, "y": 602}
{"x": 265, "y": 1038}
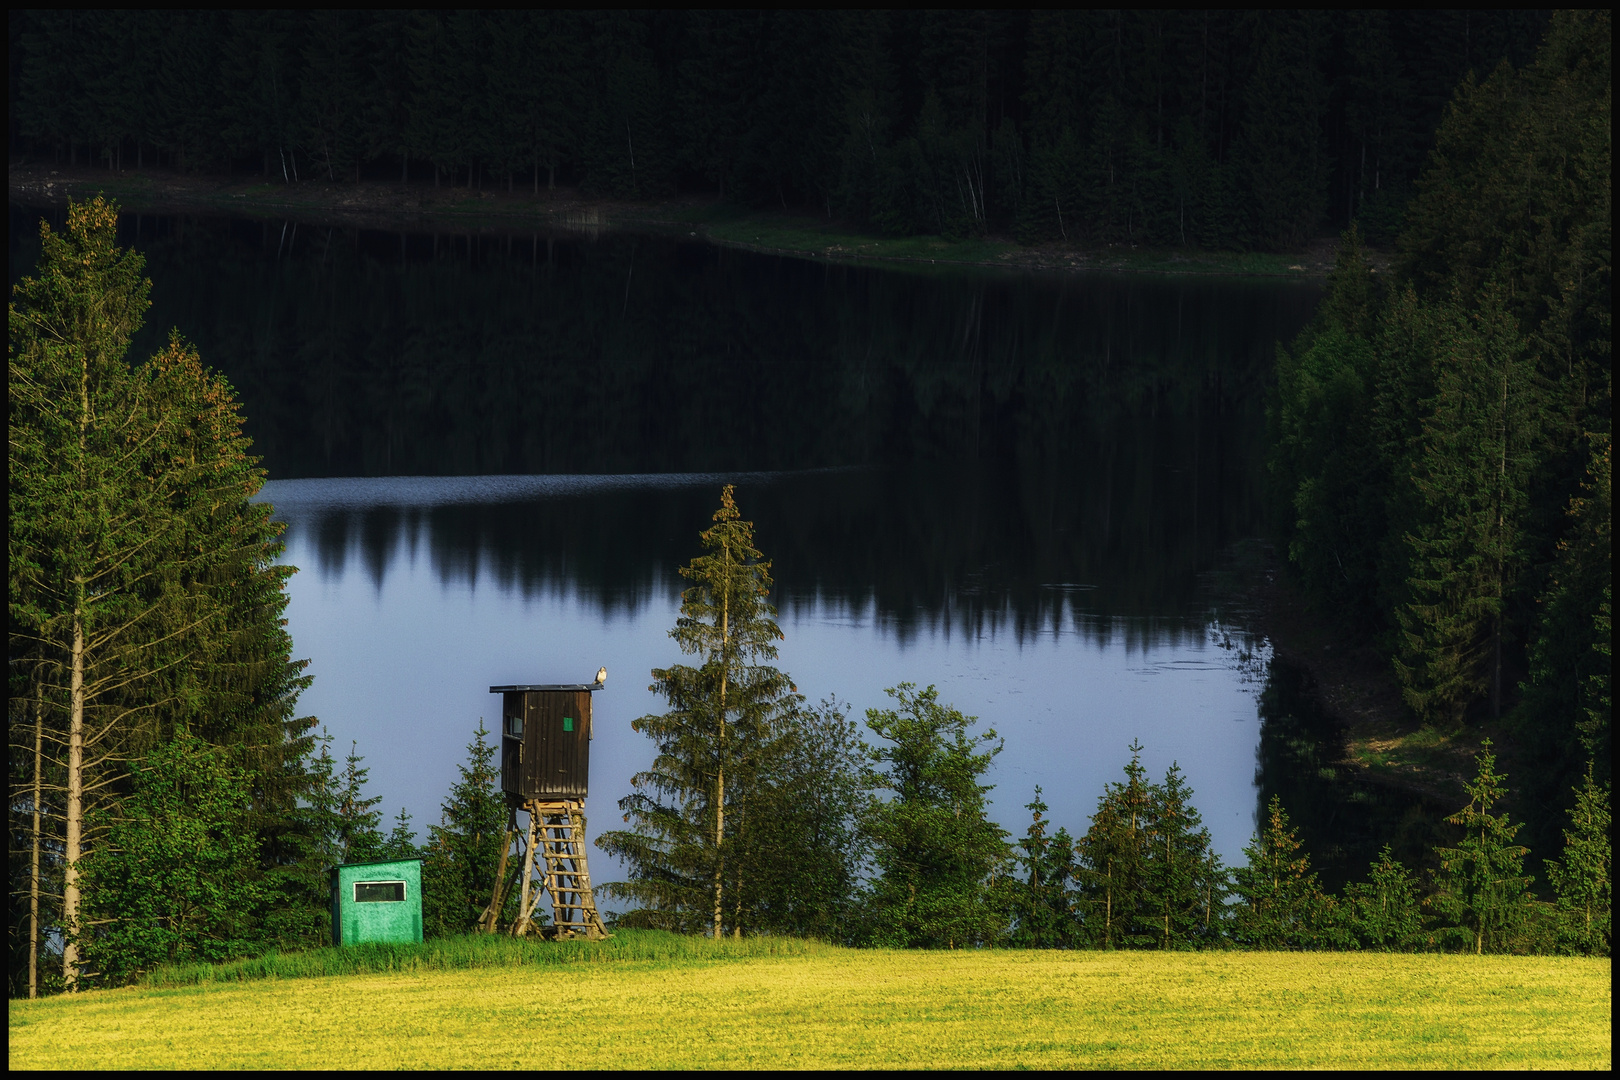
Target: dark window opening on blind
{"x": 373, "y": 892}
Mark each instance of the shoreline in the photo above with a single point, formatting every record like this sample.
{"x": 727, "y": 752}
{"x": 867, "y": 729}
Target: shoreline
{"x": 1353, "y": 684}
{"x": 391, "y": 206}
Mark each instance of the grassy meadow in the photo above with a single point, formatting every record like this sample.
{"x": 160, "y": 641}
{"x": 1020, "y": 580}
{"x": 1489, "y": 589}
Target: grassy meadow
{"x": 656, "y": 1001}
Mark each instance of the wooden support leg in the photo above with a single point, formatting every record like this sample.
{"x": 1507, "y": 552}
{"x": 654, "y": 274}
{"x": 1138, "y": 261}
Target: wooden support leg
{"x": 525, "y": 905}
{"x": 489, "y": 922}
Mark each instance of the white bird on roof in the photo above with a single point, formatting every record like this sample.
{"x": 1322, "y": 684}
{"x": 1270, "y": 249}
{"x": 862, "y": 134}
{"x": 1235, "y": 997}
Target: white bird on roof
{"x": 601, "y": 676}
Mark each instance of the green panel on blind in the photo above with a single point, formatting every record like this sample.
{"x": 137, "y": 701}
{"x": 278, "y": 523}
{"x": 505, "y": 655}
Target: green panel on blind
{"x": 568, "y": 723}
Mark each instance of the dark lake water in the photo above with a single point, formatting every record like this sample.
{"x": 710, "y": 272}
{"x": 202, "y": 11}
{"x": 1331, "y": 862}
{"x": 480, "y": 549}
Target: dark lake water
{"x": 1039, "y": 492}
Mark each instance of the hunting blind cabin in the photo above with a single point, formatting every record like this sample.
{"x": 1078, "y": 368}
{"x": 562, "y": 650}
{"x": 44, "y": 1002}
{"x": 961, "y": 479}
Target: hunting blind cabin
{"x": 545, "y": 762}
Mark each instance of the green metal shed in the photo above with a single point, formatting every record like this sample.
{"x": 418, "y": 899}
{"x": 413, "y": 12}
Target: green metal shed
{"x": 377, "y": 901}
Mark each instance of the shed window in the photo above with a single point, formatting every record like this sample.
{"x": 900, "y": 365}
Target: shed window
{"x": 514, "y": 726}
{"x": 374, "y": 892}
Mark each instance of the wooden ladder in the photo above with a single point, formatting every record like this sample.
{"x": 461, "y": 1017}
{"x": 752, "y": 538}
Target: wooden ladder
{"x": 557, "y": 838}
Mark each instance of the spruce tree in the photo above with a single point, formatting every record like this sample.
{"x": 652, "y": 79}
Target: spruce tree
{"x": 463, "y": 851}
{"x": 341, "y": 818}
{"x": 1583, "y": 880}
{"x": 231, "y": 680}
{"x": 323, "y": 818}
{"x": 1282, "y": 906}
{"x": 1113, "y": 857}
{"x": 1469, "y": 482}
{"x": 716, "y": 744}
{"x": 1328, "y": 483}
{"x": 934, "y": 847}
{"x": 1043, "y": 916}
{"x": 1183, "y": 880}
{"x": 1383, "y": 912}
{"x": 361, "y": 837}
{"x": 1481, "y": 893}
{"x": 401, "y": 840}
{"x": 80, "y": 518}
{"x": 1567, "y": 708}
{"x": 1563, "y": 721}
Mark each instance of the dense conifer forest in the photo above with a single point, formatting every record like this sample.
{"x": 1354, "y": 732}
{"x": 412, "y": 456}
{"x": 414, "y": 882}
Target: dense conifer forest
{"x": 1441, "y": 435}
{"x": 1214, "y": 129}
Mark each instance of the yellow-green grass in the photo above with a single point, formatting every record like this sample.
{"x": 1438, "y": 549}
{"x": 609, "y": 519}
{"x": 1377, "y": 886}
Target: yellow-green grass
{"x": 839, "y": 1008}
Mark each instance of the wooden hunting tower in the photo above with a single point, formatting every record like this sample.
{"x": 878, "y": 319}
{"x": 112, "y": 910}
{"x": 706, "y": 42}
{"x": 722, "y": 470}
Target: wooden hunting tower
{"x": 545, "y": 741}
{"x": 545, "y": 772}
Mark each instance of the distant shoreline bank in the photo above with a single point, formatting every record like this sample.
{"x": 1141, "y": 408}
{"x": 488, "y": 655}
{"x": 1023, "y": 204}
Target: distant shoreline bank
{"x": 392, "y": 206}
{"x": 1355, "y": 685}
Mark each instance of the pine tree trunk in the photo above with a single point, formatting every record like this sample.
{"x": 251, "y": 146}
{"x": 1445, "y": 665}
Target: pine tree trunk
{"x": 74, "y": 823}
{"x": 1108, "y": 910}
{"x": 736, "y": 902}
{"x": 719, "y": 835}
{"x": 720, "y": 774}
{"x": 75, "y": 805}
{"x": 33, "y": 872}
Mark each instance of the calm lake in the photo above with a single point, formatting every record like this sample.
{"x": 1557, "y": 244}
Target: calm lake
{"x": 1039, "y": 492}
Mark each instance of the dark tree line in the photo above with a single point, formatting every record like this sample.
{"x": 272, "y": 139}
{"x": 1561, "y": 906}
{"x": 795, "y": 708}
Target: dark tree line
{"x": 1442, "y": 434}
{"x": 1235, "y": 129}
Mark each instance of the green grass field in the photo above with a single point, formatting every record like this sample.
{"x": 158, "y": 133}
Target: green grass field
{"x": 819, "y": 1006}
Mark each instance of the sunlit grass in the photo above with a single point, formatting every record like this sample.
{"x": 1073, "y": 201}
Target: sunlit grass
{"x": 838, "y": 1008}
{"x": 1426, "y": 755}
{"x": 482, "y": 950}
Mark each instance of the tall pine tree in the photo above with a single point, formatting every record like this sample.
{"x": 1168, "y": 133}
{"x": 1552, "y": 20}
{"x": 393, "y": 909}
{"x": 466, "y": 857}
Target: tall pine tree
{"x": 716, "y": 743}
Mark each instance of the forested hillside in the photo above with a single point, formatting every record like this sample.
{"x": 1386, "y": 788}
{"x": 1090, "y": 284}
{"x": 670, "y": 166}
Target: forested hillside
{"x": 1216, "y": 129}
{"x": 1442, "y": 439}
